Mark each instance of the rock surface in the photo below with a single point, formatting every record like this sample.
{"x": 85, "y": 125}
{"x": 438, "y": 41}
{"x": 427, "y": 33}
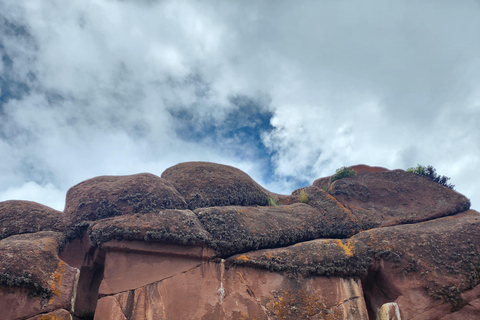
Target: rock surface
{"x": 205, "y": 184}
{"x": 108, "y": 196}
{"x": 17, "y": 217}
{"x": 33, "y": 279}
{"x": 205, "y": 241}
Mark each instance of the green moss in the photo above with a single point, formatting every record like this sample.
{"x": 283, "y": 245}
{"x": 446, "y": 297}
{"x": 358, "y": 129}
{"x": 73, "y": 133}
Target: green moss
{"x": 25, "y": 280}
{"x": 431, "y": 173}
{"x": 343, "y": 172}
{"x": 273, "y": 201}
{"x": 303, "y": 196}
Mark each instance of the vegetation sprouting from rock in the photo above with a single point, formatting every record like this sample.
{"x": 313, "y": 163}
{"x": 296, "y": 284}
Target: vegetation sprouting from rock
{"x": 343, "y": 172}
{"x": 431, "y": 173}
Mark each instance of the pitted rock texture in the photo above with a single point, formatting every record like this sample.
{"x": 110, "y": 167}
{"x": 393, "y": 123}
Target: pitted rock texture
{"x": 205, "y": 184}
{"x": 396, "y": 197}
{"x": 18, "y": 217}
{"x": 239, "y": 229}
{"x": 201, "y": 242}
{"x": 108, "y": 196}
{"x": 32, "y": 277}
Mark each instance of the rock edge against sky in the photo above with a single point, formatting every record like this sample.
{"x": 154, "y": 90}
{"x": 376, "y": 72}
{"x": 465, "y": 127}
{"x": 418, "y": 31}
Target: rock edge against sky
{"x": 205, "y": 241}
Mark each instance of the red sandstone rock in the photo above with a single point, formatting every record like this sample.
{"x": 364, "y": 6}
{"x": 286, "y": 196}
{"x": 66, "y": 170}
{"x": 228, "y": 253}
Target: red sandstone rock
{"x": 423, "y": 267}
{"x": 152, "y": 262}
{"x": 211, "y": 292}
{"x": 107, "y": 196}
{"x": 139, "y": 260}
{"x": 17, "y": 217}
{"x": 34, "y": 280}
{"x": 386, "y": 198}
{"x": 238, "y": 229}
{"x": 205, "y": 184}
{"x": 61, "y": 314}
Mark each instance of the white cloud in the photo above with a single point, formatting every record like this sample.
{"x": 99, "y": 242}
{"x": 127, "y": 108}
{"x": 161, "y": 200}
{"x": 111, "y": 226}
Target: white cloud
{"x": 391, "y": 85}
{"x": 31, "y": 191}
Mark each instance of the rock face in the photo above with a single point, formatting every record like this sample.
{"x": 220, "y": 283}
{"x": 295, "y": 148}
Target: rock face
{"x": 201, "y": 242}
{"x": 108, "y": 196}
{"x": 17, "y": 217}
{"x": 205, "y": 184}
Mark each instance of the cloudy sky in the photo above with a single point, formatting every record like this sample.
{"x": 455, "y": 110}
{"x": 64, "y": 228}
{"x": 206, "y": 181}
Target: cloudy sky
{"x": 287, "y": 91}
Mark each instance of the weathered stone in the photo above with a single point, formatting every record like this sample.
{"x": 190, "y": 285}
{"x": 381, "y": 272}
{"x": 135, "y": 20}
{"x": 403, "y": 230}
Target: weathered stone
{"x": 238, "y": 229}
{"x": 172, "y": 226}
{"x": 17, "y": 217}
{"x": 211, "y": 292}
{"x": 423, "y": 267}
{"x": 396, "y": 197}
{"x": 33, "y": 279}
{"x": 380, "y": 245}
{"x": 108, "y": 196}
{"x": 205, "y": 184}
{"x": 152, "y": 262}
{"x": 61, "y": 314}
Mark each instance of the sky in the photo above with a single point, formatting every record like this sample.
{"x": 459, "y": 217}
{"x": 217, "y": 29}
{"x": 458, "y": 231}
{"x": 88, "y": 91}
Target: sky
{"x": 287, "y": 91}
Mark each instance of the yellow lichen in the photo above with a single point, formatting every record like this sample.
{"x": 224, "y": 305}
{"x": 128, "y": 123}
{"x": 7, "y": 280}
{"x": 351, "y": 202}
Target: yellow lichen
{"x": 53, "y": 317}
{"x": 243, "y": 257}
{"x": 56, "y": 281}
{"x": 348, "y": 248}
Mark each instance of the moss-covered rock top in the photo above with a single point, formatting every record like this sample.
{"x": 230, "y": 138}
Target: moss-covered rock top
{"x": 108, "y": 196}
{"x": 205, "y": 184}
{"x": 30, "y": 261}
{"x": 438, "y": 255}
{"x": 17, "y": 217}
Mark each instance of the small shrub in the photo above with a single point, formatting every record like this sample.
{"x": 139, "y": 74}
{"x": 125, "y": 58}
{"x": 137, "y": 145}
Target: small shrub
{"x": 343, "y": 172}
{"x": 303, "y": 196}
{"x": 431, "y": 173}
{"x": 273, "y": 201}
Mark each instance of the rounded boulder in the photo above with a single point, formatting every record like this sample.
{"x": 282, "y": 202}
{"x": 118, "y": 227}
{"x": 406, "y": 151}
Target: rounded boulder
{"x": 205, "y": 184}
{"x": 109, "y": 196}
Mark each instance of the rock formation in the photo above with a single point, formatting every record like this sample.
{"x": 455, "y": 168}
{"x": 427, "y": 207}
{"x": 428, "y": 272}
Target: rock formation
{"x": 205, "y": 241}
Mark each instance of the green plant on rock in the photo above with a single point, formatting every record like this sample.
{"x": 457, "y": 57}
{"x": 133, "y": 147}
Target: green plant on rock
{"x": 343, "y": 172}
{"x": 273, "y": 201}
{"x": 303, "y": 196}
{"x": 431, "y": 173}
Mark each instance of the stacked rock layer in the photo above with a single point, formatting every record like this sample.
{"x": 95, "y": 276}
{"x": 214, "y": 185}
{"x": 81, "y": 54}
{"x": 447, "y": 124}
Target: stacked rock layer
{"x": 205, "y": 241}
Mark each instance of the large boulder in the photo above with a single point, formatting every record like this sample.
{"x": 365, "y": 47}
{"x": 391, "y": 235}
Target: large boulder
{"x": 168, "y": 226}
{"x": 33, "y": 279}
{"x": 379, "y": 245}
{"x": 429, "y": 269}
{"x": 237, "y": 229}
{"x": 108, "y": 196}
{"x": 17, "y": 217}
{"x": 209, "y": 292}
{"x": 385, "y": 198}
{"x": 205, "y": 184}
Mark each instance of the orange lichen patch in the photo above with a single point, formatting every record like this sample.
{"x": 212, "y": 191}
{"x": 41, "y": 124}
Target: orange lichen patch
{"x": 243, "y": 257}
{"x": 348, "y": 248}
{"x": 54, "y": 317}
{"x": 57, "y": 281}
{"x": 300, "y": 305}
{"x": 268, "y": 255}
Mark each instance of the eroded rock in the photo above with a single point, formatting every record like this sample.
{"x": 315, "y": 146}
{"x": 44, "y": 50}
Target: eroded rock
{"x": 17, "y": 217}
{"x": 380, "y": 244}
{"x": 211, "y": 292}
{"x": 205, "y": 184}
{"x": 33, "y": 278}
{"x": 108, "y": 196}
